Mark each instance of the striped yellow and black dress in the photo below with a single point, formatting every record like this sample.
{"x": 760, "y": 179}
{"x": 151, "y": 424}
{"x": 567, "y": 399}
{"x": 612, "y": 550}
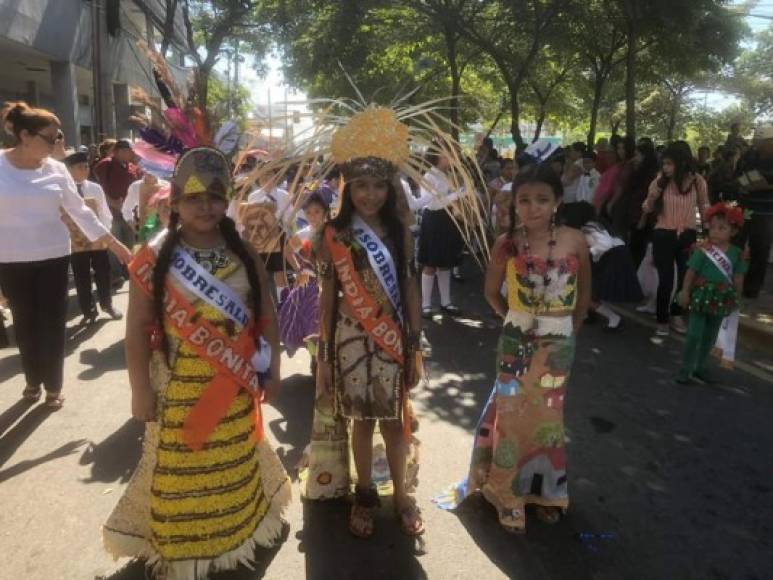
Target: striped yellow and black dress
{"x": 193, "y": 512}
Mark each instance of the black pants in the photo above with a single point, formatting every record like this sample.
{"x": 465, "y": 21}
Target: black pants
{"x": 758, "y": 233}
{"x": 37, "y": 295}
{"x": 82, "y": 264}
{"x": 668, "y": 248}
{"x": 124, "y": 234}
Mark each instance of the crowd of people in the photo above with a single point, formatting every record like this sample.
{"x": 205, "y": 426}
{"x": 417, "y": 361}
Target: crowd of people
{"x": 232, "y": 259}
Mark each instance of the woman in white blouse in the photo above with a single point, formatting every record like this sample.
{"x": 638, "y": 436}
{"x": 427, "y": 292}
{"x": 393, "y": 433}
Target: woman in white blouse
{"x": 35, "y": 245}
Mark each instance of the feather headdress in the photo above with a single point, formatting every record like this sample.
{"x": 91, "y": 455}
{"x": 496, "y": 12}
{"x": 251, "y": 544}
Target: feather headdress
{"x": 364, "y": 138}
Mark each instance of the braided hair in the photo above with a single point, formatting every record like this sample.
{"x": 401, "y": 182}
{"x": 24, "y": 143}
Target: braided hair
{"x": 233, "y": 242}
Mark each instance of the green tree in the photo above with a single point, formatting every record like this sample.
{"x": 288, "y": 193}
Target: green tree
{"x": 211, "y": 25}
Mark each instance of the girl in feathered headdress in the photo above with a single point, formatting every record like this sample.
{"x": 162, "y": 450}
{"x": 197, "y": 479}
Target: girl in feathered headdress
{"x": 711, "y": 287}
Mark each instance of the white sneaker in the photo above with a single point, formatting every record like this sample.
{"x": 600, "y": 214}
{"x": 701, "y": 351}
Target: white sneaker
{"x": 678, "y": 324}
{"x": 646, "y": 309}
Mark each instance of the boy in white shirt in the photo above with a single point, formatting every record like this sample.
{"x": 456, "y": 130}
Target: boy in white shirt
{"x": 86, "y": 256}
{"x": 589, "y": 179}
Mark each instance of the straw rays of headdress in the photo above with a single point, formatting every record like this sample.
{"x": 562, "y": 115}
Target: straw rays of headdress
{"x": 402, "y": 133}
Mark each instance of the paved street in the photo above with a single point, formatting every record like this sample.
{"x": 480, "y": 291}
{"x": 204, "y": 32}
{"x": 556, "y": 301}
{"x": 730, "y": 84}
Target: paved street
{"x": 666, "y": 482}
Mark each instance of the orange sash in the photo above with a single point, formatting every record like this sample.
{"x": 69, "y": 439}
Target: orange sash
{"x": 384, "y": 331}
{"x": 231, "y": 358}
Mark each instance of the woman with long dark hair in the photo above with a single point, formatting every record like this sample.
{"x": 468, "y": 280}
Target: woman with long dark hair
{"x": 370, "y": 326}
{"x": 35, "y": 245}
{"x": 675, "y": 197}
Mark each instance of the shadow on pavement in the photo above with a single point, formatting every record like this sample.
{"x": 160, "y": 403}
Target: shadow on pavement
{"x": 12, "y": 414}
{"x": 115, "y": 458}
{"x": 135, "y": 569}
{"x": 27, "y": 464}
{"x": 10, "y": 366}
{"x": 102, "y": 361}
{"x": 331, "y": 551}
{"x": 296, "y": 405}
{"x": 13, "y": 439}
{"x": 545, "y": 551}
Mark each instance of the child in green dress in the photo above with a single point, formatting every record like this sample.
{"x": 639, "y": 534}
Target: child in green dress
{"x": 711, "y": 287}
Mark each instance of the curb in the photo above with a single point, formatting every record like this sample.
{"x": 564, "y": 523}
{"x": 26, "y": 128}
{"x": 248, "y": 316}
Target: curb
{"x": 739, "y": 365}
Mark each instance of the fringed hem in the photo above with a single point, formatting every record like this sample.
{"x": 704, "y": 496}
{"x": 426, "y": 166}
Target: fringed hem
{"x": 119, "y": 544}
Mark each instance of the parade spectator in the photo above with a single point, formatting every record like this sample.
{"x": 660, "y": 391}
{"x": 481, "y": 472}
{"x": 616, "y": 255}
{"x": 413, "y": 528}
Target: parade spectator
{"x": 674, "y": 198}
{"x": 573, "y": 169}
{"x": 703, "y": 163}
{"x": 115, "y": 174}
{"x": 734, "y": 138}
{"x": 645, "y": 170}
{"x": 755, "y": 177}
{"x": 605, "y": 156}
{"x": 589, "y": 179}
{"x": 35, "y": 245}
{"x": 721, "y": 181}
{"x": 89, "y": 257}
{"x": 615, "y": 210}
{"x": 606, "y": 184}
{"x": 134, "y": 209}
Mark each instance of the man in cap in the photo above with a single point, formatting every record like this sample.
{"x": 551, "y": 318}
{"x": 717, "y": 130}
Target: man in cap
{"x": 85, "y": 256}
{"x": 755, "y": 178}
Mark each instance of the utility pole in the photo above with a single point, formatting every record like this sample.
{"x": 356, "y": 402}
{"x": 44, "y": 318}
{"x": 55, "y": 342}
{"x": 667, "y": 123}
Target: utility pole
{"x": 96, "y": 70}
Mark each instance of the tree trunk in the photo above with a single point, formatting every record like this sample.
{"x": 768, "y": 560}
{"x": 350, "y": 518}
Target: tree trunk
{"x": 676, "y": 104}
{"x": 168, "y": 32}
{"x": 598, "y": 91}
{"x": 515, "y": 115}
{"x": 540, "y": 122}
{"x": 630, "y": 79}
{"x": 456, "y": 83}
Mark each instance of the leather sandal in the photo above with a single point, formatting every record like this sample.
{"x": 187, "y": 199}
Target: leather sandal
{"x": 361, "y": 521}
{"x": 31, "y": 394}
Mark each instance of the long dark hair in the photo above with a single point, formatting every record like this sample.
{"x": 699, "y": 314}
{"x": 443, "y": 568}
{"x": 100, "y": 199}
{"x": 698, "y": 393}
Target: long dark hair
{"x": 233, "y": 242}
{"x": 389, "y": 215}
{"x": 532, "y": 174}
{"x": 680, "y": 154}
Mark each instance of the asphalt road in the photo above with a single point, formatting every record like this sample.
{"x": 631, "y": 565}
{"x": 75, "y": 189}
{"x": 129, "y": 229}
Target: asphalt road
{"x": 666, "y": 482}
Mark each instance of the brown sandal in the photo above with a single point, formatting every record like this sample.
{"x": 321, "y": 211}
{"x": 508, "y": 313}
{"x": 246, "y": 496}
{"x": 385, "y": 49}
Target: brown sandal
{"x": 547, "y": 514}
{"x": 513, "y": 521}
{"x": 31, "y": 394}
{"x": 361, "y": 521}
{"x": 409, "y": 516}
{"x": 54, "y": 401}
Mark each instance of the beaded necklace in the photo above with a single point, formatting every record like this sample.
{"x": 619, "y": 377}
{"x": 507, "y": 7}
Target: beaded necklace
{"x": 538, "y": 301}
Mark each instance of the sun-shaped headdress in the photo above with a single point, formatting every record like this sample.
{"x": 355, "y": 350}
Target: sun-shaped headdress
{"x": 364, "y": 138}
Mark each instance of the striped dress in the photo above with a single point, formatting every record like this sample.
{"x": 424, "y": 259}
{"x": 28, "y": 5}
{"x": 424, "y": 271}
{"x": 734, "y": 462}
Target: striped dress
{"x": 192, "y": 512}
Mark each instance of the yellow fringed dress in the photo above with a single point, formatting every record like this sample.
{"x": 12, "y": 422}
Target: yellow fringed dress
{"x": 192, "y": 512}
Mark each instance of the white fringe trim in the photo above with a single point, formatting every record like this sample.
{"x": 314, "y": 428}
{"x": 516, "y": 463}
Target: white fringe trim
{"x": 268, "y": 531}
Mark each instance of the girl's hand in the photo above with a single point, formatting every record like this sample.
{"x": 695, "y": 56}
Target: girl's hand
{"x": 271, "y": 390}
{"x": 325, "y": 376}
{"x": 684, "y": 299}
{"x": 302, "y": 279}
{"x": 144, "y": 405}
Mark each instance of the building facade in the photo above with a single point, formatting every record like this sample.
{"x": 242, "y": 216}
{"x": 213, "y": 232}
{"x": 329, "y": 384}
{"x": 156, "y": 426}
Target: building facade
{"x": 81, "y": 60}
